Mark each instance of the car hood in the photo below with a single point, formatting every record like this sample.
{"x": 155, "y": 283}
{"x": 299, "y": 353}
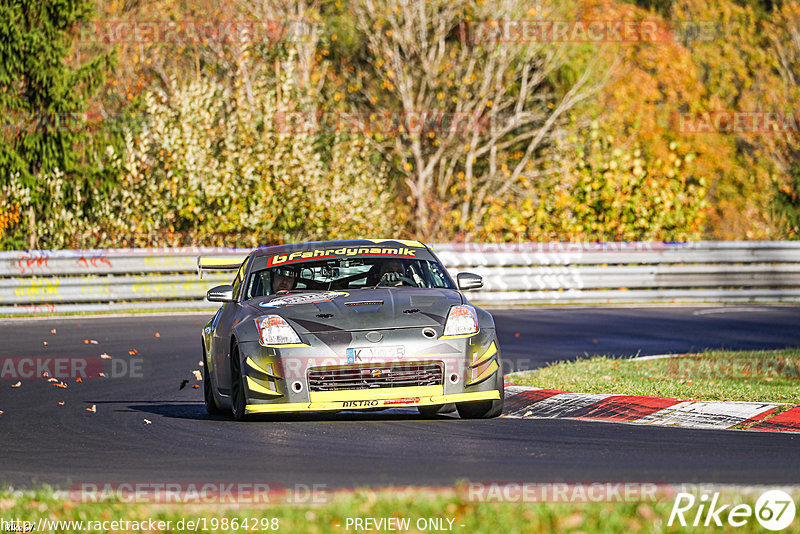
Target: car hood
{"x": 361, "y": 309}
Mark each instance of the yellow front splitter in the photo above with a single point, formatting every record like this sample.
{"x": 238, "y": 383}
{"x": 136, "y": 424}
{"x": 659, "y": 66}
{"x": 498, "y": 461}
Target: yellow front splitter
{"x": 366, "y": 403}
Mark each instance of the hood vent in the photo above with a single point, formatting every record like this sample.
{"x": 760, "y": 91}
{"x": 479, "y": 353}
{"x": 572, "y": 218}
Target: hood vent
{"x": 364, "y": 303}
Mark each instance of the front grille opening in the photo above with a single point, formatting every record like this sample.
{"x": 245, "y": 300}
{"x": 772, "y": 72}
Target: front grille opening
{"x": 375, "y": 376}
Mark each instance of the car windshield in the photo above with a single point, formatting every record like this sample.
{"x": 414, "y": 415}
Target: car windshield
{"x": 349, "y": 273}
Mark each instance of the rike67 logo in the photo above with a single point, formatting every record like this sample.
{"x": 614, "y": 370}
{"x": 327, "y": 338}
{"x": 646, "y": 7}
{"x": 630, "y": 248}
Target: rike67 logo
{"x": 774, "y": 510}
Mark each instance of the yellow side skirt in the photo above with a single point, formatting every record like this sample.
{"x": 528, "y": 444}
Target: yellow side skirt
{"x": 366, "y": 403}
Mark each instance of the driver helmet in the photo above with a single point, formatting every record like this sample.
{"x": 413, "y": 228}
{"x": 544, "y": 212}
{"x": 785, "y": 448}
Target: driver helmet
{"x": 284, "y": 272}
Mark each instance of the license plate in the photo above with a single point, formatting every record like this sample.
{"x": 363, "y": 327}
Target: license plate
{"x": 366, "y": 354}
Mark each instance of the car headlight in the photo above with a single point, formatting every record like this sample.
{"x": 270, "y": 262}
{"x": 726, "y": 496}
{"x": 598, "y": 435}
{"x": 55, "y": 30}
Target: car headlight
{"x": 461, "y": 320}
{"x": 274, "y": 330}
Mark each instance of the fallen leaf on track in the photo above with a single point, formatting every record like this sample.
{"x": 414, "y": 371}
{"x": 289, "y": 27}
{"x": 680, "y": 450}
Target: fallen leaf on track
{"x": 79, "y": 380}
{"x": 94, "y": 341}
{"x": 1, "y": 412}
{"x": 60, "y": 385}
{"x": 197, "y": 375}
{"x": 52, "y": 379}
{"x": 53, "y": 331}
{"x": 105, "y": 356}
{"x": 147, "y": 421}
{"x": 45, "y": 343}
{"x": 158, "y": 335}
{"x": 200, "y": 363}
{"x": 85, "y": 341}
{"x": 93, "y": 409}
{"x": 18, "y": 384}
{"x": 195, "y": 386}
{"x": 44, "y": 374}
{"x": 101, "y": 374}
{"x": 133, "y": 352}
{"x": 183, "y": 384}
{"x": 61, "y": 403}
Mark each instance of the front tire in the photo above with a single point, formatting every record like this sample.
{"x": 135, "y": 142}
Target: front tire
{"x": 238, "y": 396}
{"x": 212, "y": 408}
{"x": 484, "y": 409}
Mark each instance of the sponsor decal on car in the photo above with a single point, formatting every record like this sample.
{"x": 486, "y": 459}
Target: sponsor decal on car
{"x": 280, "y": 259}
{"x": 359, "y": 403}
{"x": 395, "y": 402}
{"x": 304, "y": 298}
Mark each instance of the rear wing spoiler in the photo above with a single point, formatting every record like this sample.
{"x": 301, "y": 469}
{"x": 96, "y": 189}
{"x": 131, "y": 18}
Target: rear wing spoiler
{"x": 217, "y": 263}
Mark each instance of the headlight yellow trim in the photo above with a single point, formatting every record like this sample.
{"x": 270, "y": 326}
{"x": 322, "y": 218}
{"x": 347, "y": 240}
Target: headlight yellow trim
{"x": 461, "y": 336}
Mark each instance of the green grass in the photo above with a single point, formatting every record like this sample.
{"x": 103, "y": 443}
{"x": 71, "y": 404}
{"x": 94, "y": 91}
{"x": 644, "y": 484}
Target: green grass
{"x": 757, "y": 376}
{"x": 648, "y": 516}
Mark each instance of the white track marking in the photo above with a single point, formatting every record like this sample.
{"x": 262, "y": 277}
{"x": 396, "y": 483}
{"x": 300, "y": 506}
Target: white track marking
{"x": 510, "y": 391}
{"x": 706, "y": 414}
{"x": 731, "y": 310}
{"x": 558, "y": 405}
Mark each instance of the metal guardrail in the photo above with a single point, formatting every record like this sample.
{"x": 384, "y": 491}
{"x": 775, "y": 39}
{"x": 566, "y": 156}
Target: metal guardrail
{"x": 35, "y": 282}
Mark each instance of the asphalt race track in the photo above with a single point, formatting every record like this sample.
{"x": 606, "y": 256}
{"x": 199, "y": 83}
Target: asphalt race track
{"x": 44, "y": 442}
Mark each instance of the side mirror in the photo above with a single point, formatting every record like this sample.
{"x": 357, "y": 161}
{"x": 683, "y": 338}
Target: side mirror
{"x": 469, "y": 281}
{"x": 220, "y": 293}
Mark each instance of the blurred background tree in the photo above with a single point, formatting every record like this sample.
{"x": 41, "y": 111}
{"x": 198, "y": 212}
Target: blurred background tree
{"x": 421, "y": 58}
{"x": 186, "y": 140}
{"x": 47, "y": 168}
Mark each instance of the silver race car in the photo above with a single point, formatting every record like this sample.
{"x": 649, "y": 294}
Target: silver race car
{"x": 348, "y": 325}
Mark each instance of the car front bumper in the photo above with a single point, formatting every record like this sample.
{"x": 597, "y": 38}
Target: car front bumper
{"x": 276, "y": 377}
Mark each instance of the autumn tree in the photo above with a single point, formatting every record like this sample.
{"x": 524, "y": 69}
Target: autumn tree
{"x": 44, "y": 148}
{"x": 424, "y": 59}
